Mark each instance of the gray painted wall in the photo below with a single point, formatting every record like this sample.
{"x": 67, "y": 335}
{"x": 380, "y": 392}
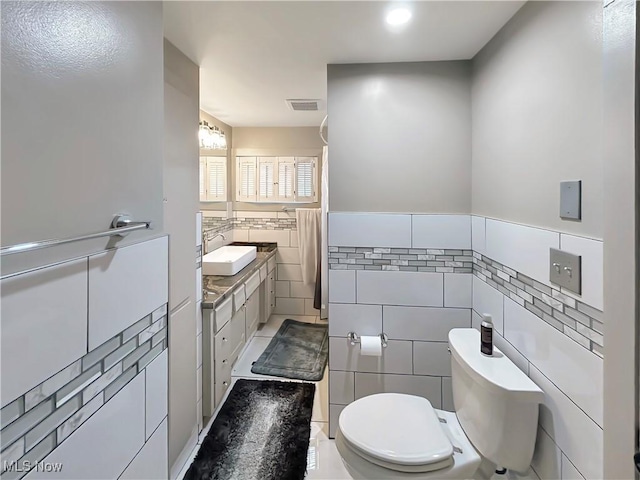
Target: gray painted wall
{"x": 181, "y": 110}
{"x": 537, "y": 116}
{"x": 621, "y": 248}
{"x": 400, "y": 137}
{"x": 82, "y": 121}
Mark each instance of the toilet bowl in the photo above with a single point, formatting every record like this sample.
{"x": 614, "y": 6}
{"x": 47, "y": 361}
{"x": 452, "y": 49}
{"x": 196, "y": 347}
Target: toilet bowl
{"x": 392, "y": 435}
{"x": 409, "y": 439}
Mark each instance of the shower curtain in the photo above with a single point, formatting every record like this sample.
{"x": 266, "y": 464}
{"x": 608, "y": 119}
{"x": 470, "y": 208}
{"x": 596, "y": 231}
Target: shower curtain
{"x": 309, "y": 242}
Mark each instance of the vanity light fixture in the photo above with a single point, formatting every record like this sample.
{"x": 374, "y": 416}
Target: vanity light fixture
{"x": 211, "y": 137}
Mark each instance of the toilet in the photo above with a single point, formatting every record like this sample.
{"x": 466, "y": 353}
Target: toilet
{"x": 392, "y": 435}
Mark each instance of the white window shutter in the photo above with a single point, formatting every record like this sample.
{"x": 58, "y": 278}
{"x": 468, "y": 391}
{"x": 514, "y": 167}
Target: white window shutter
{"x": 217, "y": 179}
{"x": 305, "y": 179}
{"x": 246, "y": 179}
{"x": 203, "y": 179}
{"x": 266, "y": 179}
{"x": 286, "y": 179}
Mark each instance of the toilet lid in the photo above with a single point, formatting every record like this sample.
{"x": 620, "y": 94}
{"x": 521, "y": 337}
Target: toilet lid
{"x": 396, "y": 428}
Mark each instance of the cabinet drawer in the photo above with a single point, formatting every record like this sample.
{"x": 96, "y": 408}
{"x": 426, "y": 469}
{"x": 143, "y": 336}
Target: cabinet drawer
{"x": 224, "y": 312}
{"x": 253, "y": 314}
{"x": 224, "y": 368}
{"x": 271, "y": 264}
{"x": 239, "y": 297}
{"x": 263, "y": 272}
{"x": 230, "y": 339}
{"x": 222, "y": 385}
{"x": 252, "y": 283}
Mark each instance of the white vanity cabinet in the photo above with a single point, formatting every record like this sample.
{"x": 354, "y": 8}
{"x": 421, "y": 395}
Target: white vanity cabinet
{"x": 267, "y": 289}
{"x": 228, "y": 342}
{"x": 228, "y": 327}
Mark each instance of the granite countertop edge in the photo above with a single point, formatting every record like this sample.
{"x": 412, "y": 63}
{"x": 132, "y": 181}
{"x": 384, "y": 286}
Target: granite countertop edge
{"x": 226, "y": 285}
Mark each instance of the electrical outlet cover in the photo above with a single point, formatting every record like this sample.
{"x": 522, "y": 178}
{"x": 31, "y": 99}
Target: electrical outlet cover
{"x": 570, "y": 200}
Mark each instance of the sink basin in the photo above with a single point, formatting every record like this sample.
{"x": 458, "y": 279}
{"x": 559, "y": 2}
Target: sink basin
{"x": 228, "y": 260}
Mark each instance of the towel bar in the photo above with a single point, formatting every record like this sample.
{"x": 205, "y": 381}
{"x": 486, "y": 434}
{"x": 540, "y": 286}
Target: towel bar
{"x": 120, "y": 225}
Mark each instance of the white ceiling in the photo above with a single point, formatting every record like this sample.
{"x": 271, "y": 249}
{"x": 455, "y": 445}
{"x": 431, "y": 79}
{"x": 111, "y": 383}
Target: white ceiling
{"x": 254, "y": 55}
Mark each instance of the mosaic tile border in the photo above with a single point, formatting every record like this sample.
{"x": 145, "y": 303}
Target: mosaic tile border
{"x": 37, "y": 422}
{"x": 401, "y": 259}
{"x": 577, "y": 320}
{"x": 212, "y": 226}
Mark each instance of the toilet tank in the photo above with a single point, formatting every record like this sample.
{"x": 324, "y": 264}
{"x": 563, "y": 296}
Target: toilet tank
{"x": 495, "y": 402}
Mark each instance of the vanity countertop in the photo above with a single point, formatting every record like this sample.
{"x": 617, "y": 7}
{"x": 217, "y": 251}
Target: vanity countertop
{"x": 217, "y": 287}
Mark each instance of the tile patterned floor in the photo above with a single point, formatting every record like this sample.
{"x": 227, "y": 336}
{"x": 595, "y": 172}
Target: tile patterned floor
{"x": 323, "y": 459}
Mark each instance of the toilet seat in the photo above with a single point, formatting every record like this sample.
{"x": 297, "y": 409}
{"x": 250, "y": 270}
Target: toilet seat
{"x": 396, "y": 431}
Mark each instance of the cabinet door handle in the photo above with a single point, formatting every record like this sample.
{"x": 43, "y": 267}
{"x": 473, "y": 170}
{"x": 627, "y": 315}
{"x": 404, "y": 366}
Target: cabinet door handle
{"x": 225, "y": 383}
{"x": 224, "y": 339}
{"x": 224, "y": 361}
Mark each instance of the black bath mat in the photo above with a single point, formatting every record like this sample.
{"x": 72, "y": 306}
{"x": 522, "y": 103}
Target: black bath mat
{"x": 298, "y": 350}
{"x": 261, "y": 433}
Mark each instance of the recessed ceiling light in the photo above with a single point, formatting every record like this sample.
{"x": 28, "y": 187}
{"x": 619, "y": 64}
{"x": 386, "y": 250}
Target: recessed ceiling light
{"x": 398, "y": 16}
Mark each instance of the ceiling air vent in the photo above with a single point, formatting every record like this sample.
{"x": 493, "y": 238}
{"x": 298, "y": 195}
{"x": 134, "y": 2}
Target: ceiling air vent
{"x": 303, "y": 104}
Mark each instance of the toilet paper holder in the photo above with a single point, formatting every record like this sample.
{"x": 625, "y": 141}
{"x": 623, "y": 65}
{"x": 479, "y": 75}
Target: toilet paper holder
{"x": 354, "y": 338}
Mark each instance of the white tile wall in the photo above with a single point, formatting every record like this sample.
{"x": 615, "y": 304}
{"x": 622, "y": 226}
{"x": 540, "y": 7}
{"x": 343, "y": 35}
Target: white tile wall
{"x": 592, "y": 267}
{"x": 569, "y": 471}
{"x": 282, "y": 289}
{"x": 156, "y": 390}
{"x": 546, "y": 457}
{"x": 302, "y": 290}
{"x": 114, "y": 303}
{"x": 341, "y": 387}
{"x": 291, "y": 272}
{"x": 396, "y": 357}
{"x": 572, "y": 368}
{"x": 478, "y": 243}
{"x": 288, "y": 255}
{"x": 152, "y": 461}
{"x": 292, "y": 306}
{"x": 118, "y": 428}
{"x": 458, "y": 290}
{"x": 334, "y": 413}
{"x": 44, "y": 325}
{"x": 570, "y": 442}
{"x": 240, "y": 235}
{"x": 510, "y": 351}
{"x": 441, "y": 231}
{"x": 290, "y": 291}
{"x": 420, "y": 289}
{"x": 579, "y": 437}
{"x": 342, "y": 286}
{"x": 309, "y": 309}
{"x": 427, "y": 387}
{"x": 431, "y": 358}
{"x": 447, "y": 395}
{"x": 362, "y": 319}
{"x": 525, "y": 249}
{"x": 487, "y": 299}
{"x": 422, "y": 323}
{"x": 369, "y": 230}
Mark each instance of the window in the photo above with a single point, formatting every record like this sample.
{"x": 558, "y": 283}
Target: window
{"x": 276, "y": 179}
{"x": 213, "y": 179}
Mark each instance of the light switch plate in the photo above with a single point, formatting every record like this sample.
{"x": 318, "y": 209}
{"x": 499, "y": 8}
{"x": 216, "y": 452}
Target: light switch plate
{"x": 565, "y": 270}
{"x": 570, "y": 200}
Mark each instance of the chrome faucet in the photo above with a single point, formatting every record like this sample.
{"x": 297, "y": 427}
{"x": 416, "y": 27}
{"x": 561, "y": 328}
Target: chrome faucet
{"x": 218, "y": 235}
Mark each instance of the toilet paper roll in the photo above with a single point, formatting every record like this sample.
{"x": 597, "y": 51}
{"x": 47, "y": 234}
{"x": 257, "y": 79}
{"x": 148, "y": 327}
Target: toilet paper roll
{"x": 371, "y": 346}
